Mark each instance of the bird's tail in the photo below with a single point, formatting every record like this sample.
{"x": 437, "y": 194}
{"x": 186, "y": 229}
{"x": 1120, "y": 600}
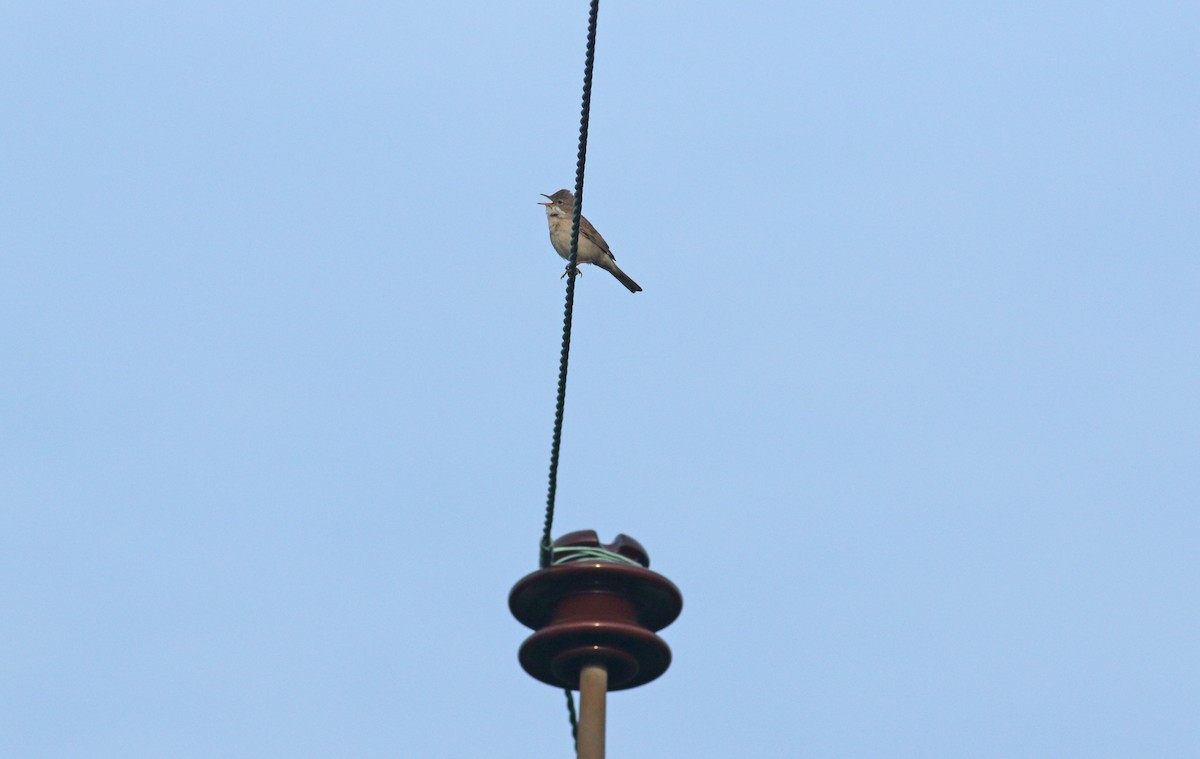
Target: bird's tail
{"x": 610, "y": 266}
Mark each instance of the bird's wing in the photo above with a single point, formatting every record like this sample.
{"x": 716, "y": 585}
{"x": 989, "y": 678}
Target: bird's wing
{"x": 587, "y": 230}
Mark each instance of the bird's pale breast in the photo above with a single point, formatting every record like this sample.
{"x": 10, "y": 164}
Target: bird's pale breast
{"x": 560, "y": 238}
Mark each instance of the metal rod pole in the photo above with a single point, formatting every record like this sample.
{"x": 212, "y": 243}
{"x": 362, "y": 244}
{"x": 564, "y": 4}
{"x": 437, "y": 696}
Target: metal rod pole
{"x": 593, "y": 686}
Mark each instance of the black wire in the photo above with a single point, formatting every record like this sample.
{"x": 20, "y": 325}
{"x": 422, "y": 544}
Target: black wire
{"x": 571, "y": 714}
{"x": 544, "y": 560}
{"x": 568, "y": 308}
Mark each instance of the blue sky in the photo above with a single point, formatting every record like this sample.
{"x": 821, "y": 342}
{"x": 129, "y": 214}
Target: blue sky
{"x": 908, "y": 409}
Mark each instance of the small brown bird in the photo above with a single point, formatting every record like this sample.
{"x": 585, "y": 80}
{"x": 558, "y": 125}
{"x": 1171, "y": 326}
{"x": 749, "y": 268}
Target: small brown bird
{"x": 592, "y": 247}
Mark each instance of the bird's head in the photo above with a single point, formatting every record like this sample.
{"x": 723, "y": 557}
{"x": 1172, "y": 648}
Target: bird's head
{"x": 561, "y": 203}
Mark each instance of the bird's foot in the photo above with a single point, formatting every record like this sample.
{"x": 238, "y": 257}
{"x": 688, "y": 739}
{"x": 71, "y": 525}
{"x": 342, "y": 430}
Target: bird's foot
{"x": 578, "y": 271}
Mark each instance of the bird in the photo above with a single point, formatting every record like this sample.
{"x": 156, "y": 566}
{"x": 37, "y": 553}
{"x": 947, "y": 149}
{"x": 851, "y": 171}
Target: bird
{"x": 592, "y": 247}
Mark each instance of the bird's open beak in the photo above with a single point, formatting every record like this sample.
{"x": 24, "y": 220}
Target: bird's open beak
{"x": 547, "y": 197}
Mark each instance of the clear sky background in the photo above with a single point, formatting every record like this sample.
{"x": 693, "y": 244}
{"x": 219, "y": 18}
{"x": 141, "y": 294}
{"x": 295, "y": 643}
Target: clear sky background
{"x": 909, "y": 408}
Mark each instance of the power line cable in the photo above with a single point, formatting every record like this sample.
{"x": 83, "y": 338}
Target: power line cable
{"x": 580, "y": 162}
{"x": 546, "y": 549}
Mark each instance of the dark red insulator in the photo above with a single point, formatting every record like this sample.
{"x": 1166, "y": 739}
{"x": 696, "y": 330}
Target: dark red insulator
{"x": 594, "y": 611}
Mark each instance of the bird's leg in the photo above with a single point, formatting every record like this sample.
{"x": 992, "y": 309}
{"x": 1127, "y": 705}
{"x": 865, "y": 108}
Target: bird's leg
{"x": 578, "y": 271}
